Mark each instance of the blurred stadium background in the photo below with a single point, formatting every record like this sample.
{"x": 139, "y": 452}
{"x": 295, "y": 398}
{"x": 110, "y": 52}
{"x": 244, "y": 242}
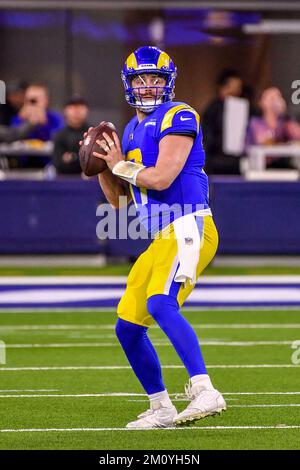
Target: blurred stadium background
{"x": 60, "y": 282}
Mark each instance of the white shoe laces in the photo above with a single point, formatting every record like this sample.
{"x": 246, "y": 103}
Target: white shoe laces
{"x": 198, "y": 390}
{"x": 188, "y": 390}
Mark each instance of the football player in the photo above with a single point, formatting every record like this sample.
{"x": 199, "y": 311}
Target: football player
{"x": 160, "y": 164}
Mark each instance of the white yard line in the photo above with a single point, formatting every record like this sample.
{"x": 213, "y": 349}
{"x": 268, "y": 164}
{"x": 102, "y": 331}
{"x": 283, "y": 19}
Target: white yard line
{"x": 59, "y": 327}
{"x": 240, "y": 309}
{"x": 37, "y": 295}
{"x": 92, "y": 344}
{"x": 241, "y": 326}
{"x": 260, "y": 393}
{"x": 207, "y": 326}
{"x": 267, "y": 405}
{"x": 183, "y": 428}
{"x": 130, "y": 394}
{"x": 66, "y": 280}
{"x": 30, "y": 390}
{"x": 101, "y": 395}
{"x": 283, "y": 405}
{"x": 51, "y": 309}
{"x": 219, "y": 366}
{"x": 89, "y": 280}
{"x": 67, "y": 395}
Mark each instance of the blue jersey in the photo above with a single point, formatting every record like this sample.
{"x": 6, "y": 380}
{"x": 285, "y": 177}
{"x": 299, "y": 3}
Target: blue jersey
{"x": 189, "y": 191}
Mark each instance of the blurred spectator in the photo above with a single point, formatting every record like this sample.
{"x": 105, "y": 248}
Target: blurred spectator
{"x": 273, "y": 126}
{"x": 229, "y": 83}
{"x": 15, "y": 93}
{"x": 10, "y": 134}
{"x": 47, "y": 123}
{"x": 36, "y": 103}
{"x": 66, "y": 142}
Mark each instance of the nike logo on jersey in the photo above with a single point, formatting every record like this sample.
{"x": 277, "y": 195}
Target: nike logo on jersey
{"x": 184, "y": 119}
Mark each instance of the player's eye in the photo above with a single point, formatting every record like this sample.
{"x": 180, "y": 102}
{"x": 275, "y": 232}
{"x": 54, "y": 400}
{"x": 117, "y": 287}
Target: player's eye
{"x": 138, "y": 81}
{"x": 157, "y": 81}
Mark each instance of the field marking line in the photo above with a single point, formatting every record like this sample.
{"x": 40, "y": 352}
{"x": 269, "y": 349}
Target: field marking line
{"x": 68, "y": 395}
{"x": 276, "y": 279}
{"x": 100, "y": 395}
{"x": 183, "y": 428}
{"x": 73, "y": 395}
{"x": 13, "y": 296}
{"x": 155, "y": 343}
{"x": 241, "y": 309}
{"x": 204, "y": 326}
{"x": 260, "y": 393}
{"x": 266, "y": 405}
{"x": 71, "y": 280}
{"x": 75, "y": 309}
{"x": 31, "y": 390}
{"x": 141, "y": 396}
{"x": 256, "y": 405}
{"x": 212, "y": 366}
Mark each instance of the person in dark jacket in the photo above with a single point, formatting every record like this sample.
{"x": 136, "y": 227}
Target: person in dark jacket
{"x": 229, "y": 83}
{"x": 66, "y": 141}
{"x": 15, "y": 95}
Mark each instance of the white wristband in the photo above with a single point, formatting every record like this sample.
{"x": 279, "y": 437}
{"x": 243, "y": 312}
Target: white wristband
{"x": 128, "y": 171}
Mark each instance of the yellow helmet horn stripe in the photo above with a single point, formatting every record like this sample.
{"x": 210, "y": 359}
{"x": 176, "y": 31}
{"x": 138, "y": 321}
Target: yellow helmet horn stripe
{"x": 163, "y": 60}
{"x": 131, "y": 62}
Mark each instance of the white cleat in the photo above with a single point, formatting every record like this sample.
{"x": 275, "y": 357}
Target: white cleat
{"x": 158, "y": 416}
{"x": 204, "y": 403}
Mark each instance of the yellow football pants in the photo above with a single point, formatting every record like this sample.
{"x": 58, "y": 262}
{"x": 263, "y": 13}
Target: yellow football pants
{"x": 153, "y": 273}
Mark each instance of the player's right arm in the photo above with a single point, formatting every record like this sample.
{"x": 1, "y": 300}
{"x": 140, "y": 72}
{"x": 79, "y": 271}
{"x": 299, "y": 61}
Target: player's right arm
{"x": 113, "y": 187}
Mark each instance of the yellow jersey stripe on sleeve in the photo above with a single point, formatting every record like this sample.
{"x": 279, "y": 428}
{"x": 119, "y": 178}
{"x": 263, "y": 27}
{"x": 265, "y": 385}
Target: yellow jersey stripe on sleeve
{"x": 168, "y": 117}
{"x": 197, "y": 116}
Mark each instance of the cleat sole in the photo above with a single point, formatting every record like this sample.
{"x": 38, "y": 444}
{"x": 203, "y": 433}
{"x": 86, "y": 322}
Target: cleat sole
{"x": 187, "y": 420}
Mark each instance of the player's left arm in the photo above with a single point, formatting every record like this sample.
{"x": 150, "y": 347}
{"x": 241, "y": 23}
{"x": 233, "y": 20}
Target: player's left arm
{"x": 173, "y": 153}
{"x": 178, "y": 128}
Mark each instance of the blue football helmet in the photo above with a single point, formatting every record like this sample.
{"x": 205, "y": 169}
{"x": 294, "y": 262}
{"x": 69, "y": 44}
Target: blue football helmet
{"x": 148, "y": 59}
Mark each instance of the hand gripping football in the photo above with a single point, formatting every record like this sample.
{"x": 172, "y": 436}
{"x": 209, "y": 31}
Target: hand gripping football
{"x": 90, "y": 164}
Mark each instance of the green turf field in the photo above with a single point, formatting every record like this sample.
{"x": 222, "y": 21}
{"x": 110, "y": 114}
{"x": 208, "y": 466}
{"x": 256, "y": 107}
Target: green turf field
{"x": 62, "y": 370}
{"x": 124, "y": 268}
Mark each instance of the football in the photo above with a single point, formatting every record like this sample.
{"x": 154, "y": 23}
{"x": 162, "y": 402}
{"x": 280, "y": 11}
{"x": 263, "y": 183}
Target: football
{"x": 90, "y": 164}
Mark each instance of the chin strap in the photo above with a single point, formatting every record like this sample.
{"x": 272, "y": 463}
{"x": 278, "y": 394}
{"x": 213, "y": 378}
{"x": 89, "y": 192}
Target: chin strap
{"x": 128, "y": 171}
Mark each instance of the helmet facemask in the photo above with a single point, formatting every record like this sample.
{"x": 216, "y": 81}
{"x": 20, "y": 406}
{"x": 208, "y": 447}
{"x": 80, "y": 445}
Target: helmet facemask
{"x": 135, "y": 94}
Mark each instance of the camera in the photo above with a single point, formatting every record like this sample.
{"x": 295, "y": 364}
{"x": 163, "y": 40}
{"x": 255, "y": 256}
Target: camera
{"x": 32, "y": 101}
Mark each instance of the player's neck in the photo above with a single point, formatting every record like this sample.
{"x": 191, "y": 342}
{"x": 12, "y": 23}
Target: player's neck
{"x": 140, "y": 115}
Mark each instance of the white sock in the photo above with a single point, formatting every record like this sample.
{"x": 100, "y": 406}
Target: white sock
{"x": 202, "y": 380}
{"x": 161, "y": 397}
